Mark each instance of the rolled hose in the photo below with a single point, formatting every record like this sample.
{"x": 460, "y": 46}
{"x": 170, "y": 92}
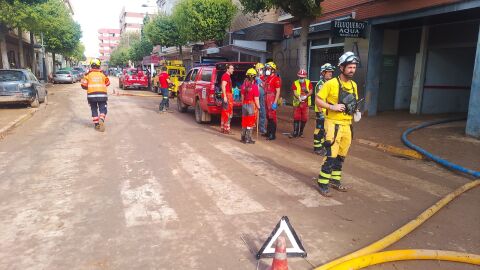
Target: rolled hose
{"x": 404, "y": 230}
{"x": 437, "y": 159}
{"x": 407, "y": 254}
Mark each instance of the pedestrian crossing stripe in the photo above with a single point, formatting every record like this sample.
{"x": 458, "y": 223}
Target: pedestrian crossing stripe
{"x": 297, "y": 249}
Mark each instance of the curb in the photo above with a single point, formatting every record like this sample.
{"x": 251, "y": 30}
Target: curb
{"x": 15, "y": 123}
{"x": 392, "y": 149}
{"x": 133, "y": 95}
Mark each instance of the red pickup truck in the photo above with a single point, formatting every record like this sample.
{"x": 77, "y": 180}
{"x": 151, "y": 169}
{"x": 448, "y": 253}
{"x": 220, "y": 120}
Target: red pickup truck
{"x": 133, "y": 78}
{"x": 201, "y": 89}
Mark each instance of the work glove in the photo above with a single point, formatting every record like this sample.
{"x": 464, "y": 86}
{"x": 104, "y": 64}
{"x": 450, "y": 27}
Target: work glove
{"x": 274, "y": 106}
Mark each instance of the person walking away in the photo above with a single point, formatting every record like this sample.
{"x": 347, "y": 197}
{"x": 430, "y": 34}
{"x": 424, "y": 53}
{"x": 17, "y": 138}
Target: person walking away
{"x": 227, "y": 106}
{"x": 302, "y": 90}
{"x": 272, "y": 89}
{"x": 339, "y": 97}
{"x": 96, "y": 83}
{"x": 261, "y": 89}
{"x": 326, "y": 73}
{"x": 164, "y": 81}
{"x": 250, "y": 106}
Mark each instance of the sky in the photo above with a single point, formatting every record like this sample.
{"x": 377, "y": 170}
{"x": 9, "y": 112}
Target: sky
{"x": 95, "y": 14}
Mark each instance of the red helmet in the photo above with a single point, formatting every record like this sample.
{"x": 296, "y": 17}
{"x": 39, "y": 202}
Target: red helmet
{"x": 302, "y": 73}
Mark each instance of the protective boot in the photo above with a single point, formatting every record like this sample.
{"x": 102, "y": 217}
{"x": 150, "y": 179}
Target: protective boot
{"x": 101, "y": 125}
{"x": 302, "y": 126}
{"x": 269, "y": 129}
{"x": 243, "y": 136}
{"x": 273, "y": 131}
{"x": 249, "y": 137}
{"x": 296, "y": 129}
{"x": 324, "y": 190}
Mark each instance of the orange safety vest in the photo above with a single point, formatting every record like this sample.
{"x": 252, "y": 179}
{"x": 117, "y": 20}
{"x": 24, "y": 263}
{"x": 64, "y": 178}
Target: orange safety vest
{"x": 95, "y": 82}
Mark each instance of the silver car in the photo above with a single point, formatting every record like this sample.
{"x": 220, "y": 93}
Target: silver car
{"x": 63, "y": 76}
{"x": 21, "y": 86}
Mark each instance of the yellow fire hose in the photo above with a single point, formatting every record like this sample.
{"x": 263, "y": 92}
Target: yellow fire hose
{"x": 408, "y": 254}
{"x": 401, "y": 232}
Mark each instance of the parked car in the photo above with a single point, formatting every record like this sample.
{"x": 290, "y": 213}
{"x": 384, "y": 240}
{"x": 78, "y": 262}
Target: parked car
{"x": 21, "y": 86}
{"x": 81, "y": 71}
{"x": 201, "y": 89}
{"x": 63, "y": 76}
{"x": 133, "y": 78}
{"x": 77, "y": 75}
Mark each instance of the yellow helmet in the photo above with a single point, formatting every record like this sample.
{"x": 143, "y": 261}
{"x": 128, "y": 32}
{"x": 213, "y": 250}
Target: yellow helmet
{"x": 259, "y": 66}
{"x": 272, "y": 65}
{"x": 95, "y": 62}
{"x": 251, "y": 72}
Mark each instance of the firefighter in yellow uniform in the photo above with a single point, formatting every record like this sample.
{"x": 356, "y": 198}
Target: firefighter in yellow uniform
{"x": 339, "y": 96}
{"x": 326, "y": 73}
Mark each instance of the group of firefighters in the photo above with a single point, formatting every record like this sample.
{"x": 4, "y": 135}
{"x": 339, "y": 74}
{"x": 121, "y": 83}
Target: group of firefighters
{"x": 336, "y": 105}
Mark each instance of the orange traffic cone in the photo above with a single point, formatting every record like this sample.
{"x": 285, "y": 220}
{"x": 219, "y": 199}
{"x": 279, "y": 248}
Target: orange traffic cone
{"x": 280, "y": 258}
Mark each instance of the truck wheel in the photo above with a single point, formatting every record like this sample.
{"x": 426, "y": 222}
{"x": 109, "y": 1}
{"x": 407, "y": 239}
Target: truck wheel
{"x": 201, "y": 116}
{"x": 182, "y": 107}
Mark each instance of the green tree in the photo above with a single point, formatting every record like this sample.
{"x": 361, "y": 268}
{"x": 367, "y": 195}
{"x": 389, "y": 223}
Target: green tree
{"x": 77, "y": 55}
{"x": 163, "y": 30}
{"x": 303, "y": 10}
{"x": 22, "y": 15}
{"x": 203, "y": 20}
{"x": 61, "y": 34}
{"x": 143, "y": 46}
{"x": 119, "y": 56}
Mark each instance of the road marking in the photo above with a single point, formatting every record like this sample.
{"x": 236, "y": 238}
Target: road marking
{"x": 230, "y": 198}
{"x": 370, "y": 190}
{"x": 403, "y": 178}
{"x": 292, "y": 186}
{"x": 144, "y": 204}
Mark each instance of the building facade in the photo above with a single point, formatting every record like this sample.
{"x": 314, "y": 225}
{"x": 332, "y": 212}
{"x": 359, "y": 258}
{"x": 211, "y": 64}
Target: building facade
{"x": 418, "y": 56}
{"x": 109, "y": 39}
{"x": 132, "y": 15}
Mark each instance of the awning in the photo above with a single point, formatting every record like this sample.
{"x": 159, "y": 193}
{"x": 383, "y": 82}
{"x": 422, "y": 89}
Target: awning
{"x": 233, "y": 51}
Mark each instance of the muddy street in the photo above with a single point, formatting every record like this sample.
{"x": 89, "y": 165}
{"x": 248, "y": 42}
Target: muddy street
{"x": 159, "y": 191}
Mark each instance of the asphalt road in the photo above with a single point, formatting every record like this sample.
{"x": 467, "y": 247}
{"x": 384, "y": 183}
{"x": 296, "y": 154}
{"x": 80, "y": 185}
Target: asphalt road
{"x": 158, "y": 191}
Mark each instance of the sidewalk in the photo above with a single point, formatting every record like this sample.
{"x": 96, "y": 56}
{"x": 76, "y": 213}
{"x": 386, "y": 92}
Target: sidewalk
{"x": 446, "y": 140}
{"x": 15, "y": 114}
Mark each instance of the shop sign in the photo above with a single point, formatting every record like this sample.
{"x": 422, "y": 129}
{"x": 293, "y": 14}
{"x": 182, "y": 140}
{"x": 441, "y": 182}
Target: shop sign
{"x": 349, "y": 28}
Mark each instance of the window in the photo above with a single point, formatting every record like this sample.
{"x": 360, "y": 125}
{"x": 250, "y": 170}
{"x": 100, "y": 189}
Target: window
{"x": 338, "y": 40}
{"x": 31, "y": 77}
{"x": 194, "y": 74}
{"x": 320, "y": 42}
{"x": 188, "y": 76}
{"x": 11, "y": 75}
{"x": 207, "y": 75}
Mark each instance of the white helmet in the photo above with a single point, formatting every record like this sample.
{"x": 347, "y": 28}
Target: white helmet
{"x": 348, "y": 58}
{"x": 327, "y": 67}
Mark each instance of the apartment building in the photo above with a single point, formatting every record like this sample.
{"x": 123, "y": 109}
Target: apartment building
{"x": 109, "y": 39}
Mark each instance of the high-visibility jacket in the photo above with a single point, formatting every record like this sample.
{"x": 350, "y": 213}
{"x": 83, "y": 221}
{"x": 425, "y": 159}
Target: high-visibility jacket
{"x": 95, "y": 82}
{"x": 300, "y": 92}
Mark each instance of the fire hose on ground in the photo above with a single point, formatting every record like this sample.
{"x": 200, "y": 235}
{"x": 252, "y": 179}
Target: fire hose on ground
{"x": 370, "y": 255}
